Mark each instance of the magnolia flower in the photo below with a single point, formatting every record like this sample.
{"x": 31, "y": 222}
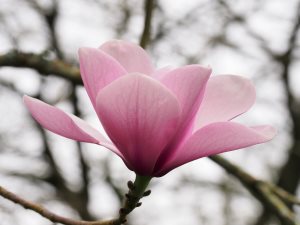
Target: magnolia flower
{"x": 156, "y": 120}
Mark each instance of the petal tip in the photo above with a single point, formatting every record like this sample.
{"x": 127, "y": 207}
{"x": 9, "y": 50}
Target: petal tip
{"x": 25, "y": 98}
{"x": 28, "y": 101}
{"x": 269, "y": 132}
{"x": 130, "y": 55}
{"x": 208, "y": 69}
{"x": 84, "y": 51}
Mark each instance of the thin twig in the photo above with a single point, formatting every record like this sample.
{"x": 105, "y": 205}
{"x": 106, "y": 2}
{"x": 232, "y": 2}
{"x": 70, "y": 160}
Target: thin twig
{"x": 145, "y": 38}
{"x": 83, "y": 193}
{"x": 48, "y": 214}
{"x": 132, "y": 198}
{"x": 108, "y": 178}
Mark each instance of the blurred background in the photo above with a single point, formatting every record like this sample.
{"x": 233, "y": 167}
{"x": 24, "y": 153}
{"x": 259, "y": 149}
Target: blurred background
{"x": 257, "y": 39}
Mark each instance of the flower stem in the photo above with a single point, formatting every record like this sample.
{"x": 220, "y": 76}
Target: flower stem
{"x": 137, "y": 190}
{"x": 141, "y": 183}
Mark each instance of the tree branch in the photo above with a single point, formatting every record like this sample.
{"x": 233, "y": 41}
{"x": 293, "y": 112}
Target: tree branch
{"x": 262, "y": 190}
{"x": 41, "y": 64}
{"x": 50, "y": 16}
{"x": 83, "y": 194}
{"x": 145, "y": 38}
{"x": 132, "y": 198}
{"x": 289, "y": 173}
{"x": 48, "y": 214}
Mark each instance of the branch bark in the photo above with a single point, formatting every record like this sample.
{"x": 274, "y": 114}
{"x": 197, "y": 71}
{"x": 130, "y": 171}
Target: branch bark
{"x": 289, "y": 174}
{"x": 262, "y": 190}
{"x": 42, "y": 64}
{"x": 146, "y": 35}
{"x": 132, "y": 198}
{"x": 48, "y": 214}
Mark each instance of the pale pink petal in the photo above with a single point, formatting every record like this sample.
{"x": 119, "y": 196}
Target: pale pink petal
{"x": 97, "y": 69}
{"x": 140, "y": 116}
{"x": 188, "y": 84}
{"x": 160, "y": 73}
{"x": 131, "y": 56}
{"x": 64, "y": 124}
{"x": 216, "y": 138}
{"x": 226, "y": 97}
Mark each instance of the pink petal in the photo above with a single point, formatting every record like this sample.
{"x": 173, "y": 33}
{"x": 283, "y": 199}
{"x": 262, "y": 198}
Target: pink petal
{"x": 140, "y": 116}
{"x": 64, "y": 124}
{"x": 226, "y": 97}
{"x": 160, "y": 73}
{"x": 131, "y": 56}
{"x": 217, "y": 138}
{"x": 188, "y": 84}
{"x": 97, "y": 70}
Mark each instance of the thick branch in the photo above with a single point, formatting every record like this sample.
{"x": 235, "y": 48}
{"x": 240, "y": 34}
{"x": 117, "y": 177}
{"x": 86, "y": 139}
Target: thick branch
{"x": 289, "y": 175}
{"x": 263, "y": 191}
{"x": 41, "y": 64}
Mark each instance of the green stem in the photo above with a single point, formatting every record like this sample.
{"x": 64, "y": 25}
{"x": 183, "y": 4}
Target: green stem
{"x": 137, "y": 190}
{"x": 140, "y": 184}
